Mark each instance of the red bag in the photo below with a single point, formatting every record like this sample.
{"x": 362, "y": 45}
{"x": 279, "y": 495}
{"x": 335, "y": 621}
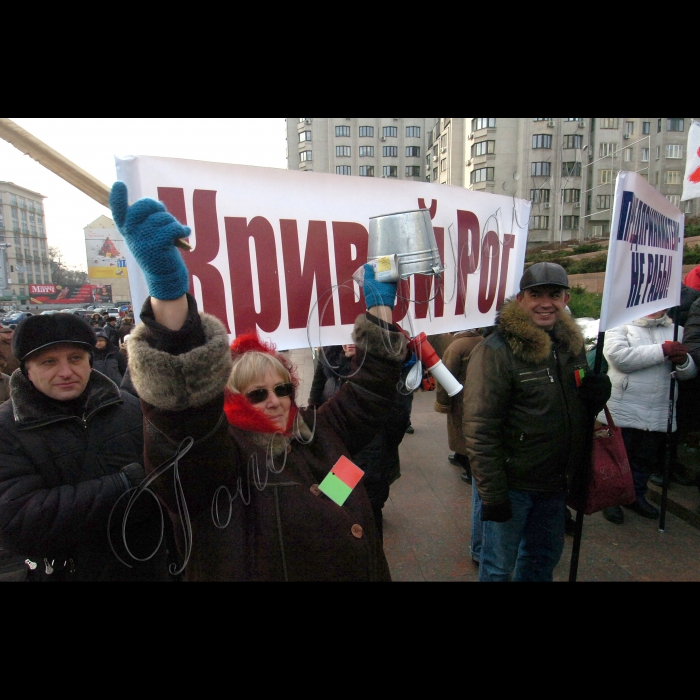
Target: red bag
{"x": 611, "y": 482}
{"x": 428, "y": 383}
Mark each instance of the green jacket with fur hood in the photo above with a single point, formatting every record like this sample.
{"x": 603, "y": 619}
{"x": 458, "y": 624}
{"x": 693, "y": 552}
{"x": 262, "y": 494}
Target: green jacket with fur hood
{"x": 523, "y": 419}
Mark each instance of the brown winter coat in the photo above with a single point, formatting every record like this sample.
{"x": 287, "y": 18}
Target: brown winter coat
{"x": 523, "y": 418}
{"x": 11, "y": 363}
{"x": 254, "y": 510}
{"x": 456, "y": 359}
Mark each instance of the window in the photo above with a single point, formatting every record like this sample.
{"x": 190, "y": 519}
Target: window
{"x": 572, "y": 195}
{"x": 443, "y": 165}
{"x": 22, "y": 203}
{"x": 483, "y": 123}
{"x": 342, "y": 131}
{"x": 674, "y": 124}
{"x": 605, "y": 176}
{"x": 573, "y": 141}
{"x": 571, "y": 168}
{"x": 390, "y": 151}
{"x": 413, "y": 132}
{"x": 608, "y": 123}
{"x": 342, "y": 151}
{"x": 674, "y": 150}
{"x": 412, "y": 151}
{"x": 366, "y": 131}
{"x": 606, "y": 149}
{"x": 366, "y": 151}
{"x": 540, "y": 169}
{"x": 646, "y": 127}
{"x": 435, "y": 174}
{"x": 629, "y": 128}
{"x": 569, "y": 222}
{"x": 604, "y": 201}
{"x": 303, "y": 119}
{"x": 675, "y": 199}
{"x": 483, "y": 148}
{"x": 627, "y": 154}
{"x": 481, "y": 175}
{"x": 688, "y": 206}
{"x": 658, "y": 152}
{"x": 40, "y": 220}
{"x": 30, "y": 205}
{"x": 304, "y": 136}
{"x": 673, "y": 177}
{"x": 13, "y": 199}
{"x": 390, "y": 131}
{"x": 413, "y": 171}
{"x": 645, "y": 154}
{"x": 542, "y": 119}
{"x": 304, "y": 155}
{"x": 573, "y": 119}
{"x": 342, "y": 170}
{"x": 658, "y": 126}
{"x": 656, "y": 177}
{"x": 389, "y": 171}
{"x": 541, "y": 140}
{"x": 539, "y": 195}
{"x": 539, "y": 222}
{"x": 443, "y": 141}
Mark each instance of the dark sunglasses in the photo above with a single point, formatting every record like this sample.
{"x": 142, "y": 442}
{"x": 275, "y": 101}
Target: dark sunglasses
{"x": 260, "y": 395}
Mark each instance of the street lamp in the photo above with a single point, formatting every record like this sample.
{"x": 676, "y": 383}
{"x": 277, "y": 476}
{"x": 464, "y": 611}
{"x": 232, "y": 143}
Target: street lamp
{"x": 4, "y": 281}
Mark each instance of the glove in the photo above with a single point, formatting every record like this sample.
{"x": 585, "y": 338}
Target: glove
{"x": 595, "y": 391}
{"x": 498, "y": 512}
{"x": 134, "y": 472}
{"x": 675, "y": 351}
{"x": 377, "y": 293}
{"x": 150, "y": 231}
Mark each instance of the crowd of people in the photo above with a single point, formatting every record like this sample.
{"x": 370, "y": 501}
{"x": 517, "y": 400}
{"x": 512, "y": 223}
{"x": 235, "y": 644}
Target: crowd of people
{"x": 192, "y": 458}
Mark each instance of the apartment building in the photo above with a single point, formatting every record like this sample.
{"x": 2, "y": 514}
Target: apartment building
{"x": 24, "y": 248}
{"x": 365, "y": 147}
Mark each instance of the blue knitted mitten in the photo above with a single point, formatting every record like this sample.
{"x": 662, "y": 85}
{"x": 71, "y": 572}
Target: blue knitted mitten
{"x": 377, "y": 293}
{"x": 150, "y": 231}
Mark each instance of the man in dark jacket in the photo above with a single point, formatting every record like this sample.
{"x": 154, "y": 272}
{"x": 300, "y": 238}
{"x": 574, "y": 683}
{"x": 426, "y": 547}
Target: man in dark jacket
{"x": 107, "y": 359}
{"x": 71, "y": 446}
{"x": 111, "y": 331}
{"x": 528, "y": 405}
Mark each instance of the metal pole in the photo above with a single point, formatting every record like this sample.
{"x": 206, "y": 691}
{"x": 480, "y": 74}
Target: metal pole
{"x": 669, "y": 432}
{"x": 580, "y": 486}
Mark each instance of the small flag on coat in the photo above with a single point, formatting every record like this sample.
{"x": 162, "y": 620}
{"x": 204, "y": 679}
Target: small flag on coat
{"x": 341, "y": 480}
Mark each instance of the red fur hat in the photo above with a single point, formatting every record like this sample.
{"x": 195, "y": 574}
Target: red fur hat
{"x": 239, "y": 411}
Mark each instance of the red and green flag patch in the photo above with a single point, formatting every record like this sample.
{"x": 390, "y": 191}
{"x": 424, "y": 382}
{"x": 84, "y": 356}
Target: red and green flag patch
{"x": 341, "y": 480}
{"x": 579, "y": 374}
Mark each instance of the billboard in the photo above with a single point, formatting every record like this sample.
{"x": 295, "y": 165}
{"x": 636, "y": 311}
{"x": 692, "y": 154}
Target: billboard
{"x": 70, "y": 294}
{"x": 105, "y": 253}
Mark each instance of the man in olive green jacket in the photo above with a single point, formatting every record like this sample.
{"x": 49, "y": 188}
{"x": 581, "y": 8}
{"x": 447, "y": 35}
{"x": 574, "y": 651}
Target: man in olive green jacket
{"x": 528, "y": 404}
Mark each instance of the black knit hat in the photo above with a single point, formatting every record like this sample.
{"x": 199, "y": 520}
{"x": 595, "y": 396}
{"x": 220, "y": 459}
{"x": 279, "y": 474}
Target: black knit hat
{"x": 38, "y": 332}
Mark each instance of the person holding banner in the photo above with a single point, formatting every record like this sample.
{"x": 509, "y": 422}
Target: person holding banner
{"x": 640, "y": 356}
{"x": 528, "y": 405}
{"x": 247, "y": 494}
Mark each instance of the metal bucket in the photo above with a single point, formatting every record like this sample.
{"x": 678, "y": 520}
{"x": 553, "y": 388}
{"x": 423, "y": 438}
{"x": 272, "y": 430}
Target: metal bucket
{"x": 409, "y": 235}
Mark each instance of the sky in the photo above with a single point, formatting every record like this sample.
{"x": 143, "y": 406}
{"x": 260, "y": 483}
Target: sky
{"x": 93, "y": 143}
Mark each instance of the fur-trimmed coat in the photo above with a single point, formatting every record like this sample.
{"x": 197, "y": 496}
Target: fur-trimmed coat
{"x": 456, "y": 360}
{"x": 254, "y": 511}
{"x": 523, "y": 419}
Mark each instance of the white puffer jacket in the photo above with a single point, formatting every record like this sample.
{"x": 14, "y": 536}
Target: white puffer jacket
{"x": 641, "y": 374}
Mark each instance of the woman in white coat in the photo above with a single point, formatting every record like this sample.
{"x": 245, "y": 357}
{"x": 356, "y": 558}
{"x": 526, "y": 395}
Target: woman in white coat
{"x": 640, "y": 356}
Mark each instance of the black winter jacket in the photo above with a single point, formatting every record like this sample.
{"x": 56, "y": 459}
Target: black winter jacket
{"x": 110, "y": 362}
{"x": 60, "y": 479}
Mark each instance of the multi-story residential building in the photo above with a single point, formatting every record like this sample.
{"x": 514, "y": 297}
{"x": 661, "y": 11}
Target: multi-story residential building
{"x": 23, "y": 236}
{"x": 565, "y": 166}
{"x": 368, "y": 147}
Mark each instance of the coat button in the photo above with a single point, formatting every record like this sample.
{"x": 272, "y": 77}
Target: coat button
{"x": 315, "y": 490}
{"x": 356, "y": 531}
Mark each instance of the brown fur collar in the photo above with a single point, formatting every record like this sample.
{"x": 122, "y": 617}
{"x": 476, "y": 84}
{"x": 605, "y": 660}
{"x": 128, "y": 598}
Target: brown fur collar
{"x": 177, "y": 382}
{"x": 530, "y": 343}
{"x": 371, "y": 337}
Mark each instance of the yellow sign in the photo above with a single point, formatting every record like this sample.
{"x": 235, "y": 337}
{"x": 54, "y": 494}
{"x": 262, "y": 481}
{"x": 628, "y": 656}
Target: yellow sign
{"x": 108, "y": 272}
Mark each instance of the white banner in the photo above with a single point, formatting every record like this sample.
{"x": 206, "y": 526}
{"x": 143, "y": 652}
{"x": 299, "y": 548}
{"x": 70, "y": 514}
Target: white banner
{"x": 691, "y": 181}
{"x": 276, "y": 249}
{"x": 645, "y": 253}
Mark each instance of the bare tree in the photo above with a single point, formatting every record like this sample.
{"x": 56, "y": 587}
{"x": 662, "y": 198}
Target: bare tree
{"x": 63, "y": 275}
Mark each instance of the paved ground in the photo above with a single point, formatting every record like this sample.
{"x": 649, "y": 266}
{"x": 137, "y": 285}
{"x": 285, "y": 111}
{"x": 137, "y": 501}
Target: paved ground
{"x": 427, "y": 517}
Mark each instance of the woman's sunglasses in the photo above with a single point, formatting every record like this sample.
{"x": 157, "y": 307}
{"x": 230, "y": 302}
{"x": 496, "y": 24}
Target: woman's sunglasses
{"x": 260, "y": 395}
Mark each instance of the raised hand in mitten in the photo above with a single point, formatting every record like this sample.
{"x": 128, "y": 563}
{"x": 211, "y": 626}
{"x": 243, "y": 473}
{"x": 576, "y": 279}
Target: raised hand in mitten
{"x": 377, "y": 293}
{"x": 150, "y": 232}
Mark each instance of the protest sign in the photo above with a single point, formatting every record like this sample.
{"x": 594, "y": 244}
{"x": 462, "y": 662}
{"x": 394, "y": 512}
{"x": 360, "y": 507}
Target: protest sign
{"x": 276, "y": 249}
{"x": 691, "y": 181}
{"x": 645, "y": 253}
